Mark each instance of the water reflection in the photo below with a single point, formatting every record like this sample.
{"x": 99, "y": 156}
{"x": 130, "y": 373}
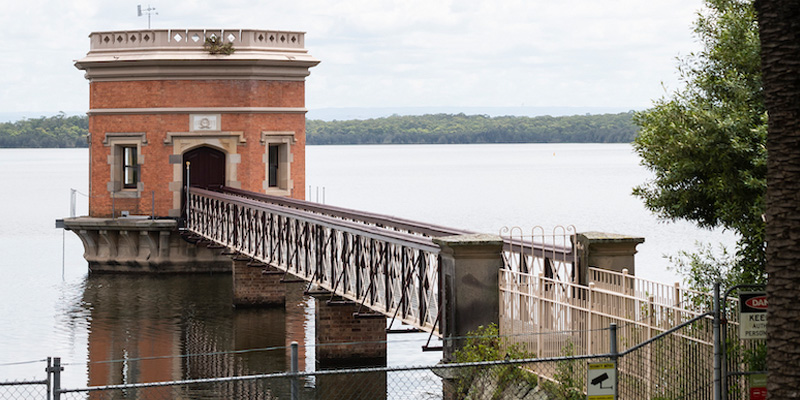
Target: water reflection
{"x": 162, "y": 328}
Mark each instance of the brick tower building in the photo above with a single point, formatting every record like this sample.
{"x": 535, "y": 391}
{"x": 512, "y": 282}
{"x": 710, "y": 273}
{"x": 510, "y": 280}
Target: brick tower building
{"x": 162, "y": 100}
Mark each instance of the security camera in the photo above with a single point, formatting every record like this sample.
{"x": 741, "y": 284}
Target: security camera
{"x": 600, "y": 379}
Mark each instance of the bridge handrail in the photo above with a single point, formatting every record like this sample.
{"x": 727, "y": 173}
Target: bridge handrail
{"x": 346, "y": 213}
{"x": 560, "y": 253}
{"x": 371, "y": 231}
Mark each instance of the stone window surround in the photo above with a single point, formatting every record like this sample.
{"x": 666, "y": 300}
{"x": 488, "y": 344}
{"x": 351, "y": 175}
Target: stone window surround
{"x": 285, "y": 140}
{"x": 116, "y": 141}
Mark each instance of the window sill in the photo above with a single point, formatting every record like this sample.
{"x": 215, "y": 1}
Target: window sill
{"x": 127, "y": 194}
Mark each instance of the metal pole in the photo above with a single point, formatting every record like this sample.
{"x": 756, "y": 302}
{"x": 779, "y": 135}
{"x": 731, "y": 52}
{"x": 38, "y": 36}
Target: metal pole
{"x": 72, "y": 201}
{"x": 49, "y": 381}
{"x": 723, "y": 348}
{"x": 293, "y": 368}
{"x": 187, "y": 193}
{"x": 612, "y": 337}
{"x": 63, "y": 251}
{"x": 724, "y": 334}
{"x": 717, "y": 351}
{"x": 56, "y": 370}
{"x": 152, "y": 204}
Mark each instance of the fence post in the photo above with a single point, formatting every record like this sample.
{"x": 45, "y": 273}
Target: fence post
{"x": 612, "y": 335}
{"x": 293, "y": 368}
{"x": 625, "y": 292}
{"x": 676, "y": 311}
{"x": 55, "y": 369}
{"x": 540, "y": 311}
{"x": 49, "y": 381}
{"x": 651, "y": 321}
{"x": 717, "y": 352}
{"x": 590, "y": 332}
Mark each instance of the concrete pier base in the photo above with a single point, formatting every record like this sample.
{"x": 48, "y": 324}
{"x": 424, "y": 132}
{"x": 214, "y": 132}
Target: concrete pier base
{"x": 344, "y": 338}
{"x": 142, "y": 245}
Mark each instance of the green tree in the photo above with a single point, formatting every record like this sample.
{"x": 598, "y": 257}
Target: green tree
{"x": 705, "y": 143}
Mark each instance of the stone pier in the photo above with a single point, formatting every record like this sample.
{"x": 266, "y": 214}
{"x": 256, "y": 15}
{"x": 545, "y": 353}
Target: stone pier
{"x": 469, "y": 271}
{"x": 142, "y": 245}
{"x": 609, "y": 251}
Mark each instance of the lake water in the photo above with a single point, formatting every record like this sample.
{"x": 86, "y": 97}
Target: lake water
{"x": 477, "y": 187}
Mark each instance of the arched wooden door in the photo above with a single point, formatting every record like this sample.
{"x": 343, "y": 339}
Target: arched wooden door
{"x": 206, "y": 170}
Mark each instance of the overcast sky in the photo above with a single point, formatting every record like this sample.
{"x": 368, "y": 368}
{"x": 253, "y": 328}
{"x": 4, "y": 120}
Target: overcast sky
{"x": 376, "y": 53}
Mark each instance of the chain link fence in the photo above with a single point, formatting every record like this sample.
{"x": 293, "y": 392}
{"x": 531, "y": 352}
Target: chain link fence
{"x": 667, "y": 366}
{"x": 664, "y": 367}
{"x": 26, "y": 388}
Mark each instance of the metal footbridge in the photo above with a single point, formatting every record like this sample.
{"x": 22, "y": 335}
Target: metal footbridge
{"x": 387, "y": 265}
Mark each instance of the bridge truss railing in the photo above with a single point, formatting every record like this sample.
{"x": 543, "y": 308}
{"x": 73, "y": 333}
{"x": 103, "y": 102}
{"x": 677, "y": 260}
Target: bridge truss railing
{"x": 538, "y": 251}
{"x": 345, "y": 214}
{"x": 387, "y": 271}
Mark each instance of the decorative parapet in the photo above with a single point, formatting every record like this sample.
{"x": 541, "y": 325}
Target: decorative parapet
{"x": 195, "y": 38}
{"x": 180, "y": 54}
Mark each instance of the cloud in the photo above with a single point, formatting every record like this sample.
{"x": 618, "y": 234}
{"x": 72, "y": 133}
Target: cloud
{"x": 389, "y": 53}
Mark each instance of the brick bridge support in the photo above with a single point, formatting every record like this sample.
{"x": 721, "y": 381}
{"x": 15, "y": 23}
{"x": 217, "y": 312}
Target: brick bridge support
{"x": 339, "y": 324}
{"x": 257, "y": 285}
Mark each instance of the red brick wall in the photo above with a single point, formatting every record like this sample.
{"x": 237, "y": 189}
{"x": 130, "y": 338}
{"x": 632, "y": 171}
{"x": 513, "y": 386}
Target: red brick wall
{"x": 252, "y": 287}
{"x": 335, "y": 323}
{"x": 214, "y": 93}
{"x": 156, "y": 172}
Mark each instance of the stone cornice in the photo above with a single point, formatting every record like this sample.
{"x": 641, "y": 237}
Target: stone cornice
{"x": 199, "y": 110}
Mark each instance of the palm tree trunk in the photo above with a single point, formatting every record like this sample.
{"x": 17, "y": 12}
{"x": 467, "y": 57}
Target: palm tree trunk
{"x": 779, "y": 27}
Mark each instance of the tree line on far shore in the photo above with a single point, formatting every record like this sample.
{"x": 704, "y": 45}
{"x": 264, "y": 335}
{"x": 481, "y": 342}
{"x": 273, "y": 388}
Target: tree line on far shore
{"x": 70, "y": 131}
{"x": 460, "y": 128}
{"x": 56, "y": 131}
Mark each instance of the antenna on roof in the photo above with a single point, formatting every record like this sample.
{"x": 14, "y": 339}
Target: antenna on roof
{"x": 149, "y": 11}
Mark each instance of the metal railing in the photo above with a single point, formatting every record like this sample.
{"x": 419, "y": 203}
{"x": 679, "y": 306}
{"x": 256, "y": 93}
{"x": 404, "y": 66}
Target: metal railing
{"x": 540, "y": 252}
{"x": 568, "y": 317}
{"x": 389, "y": 272}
